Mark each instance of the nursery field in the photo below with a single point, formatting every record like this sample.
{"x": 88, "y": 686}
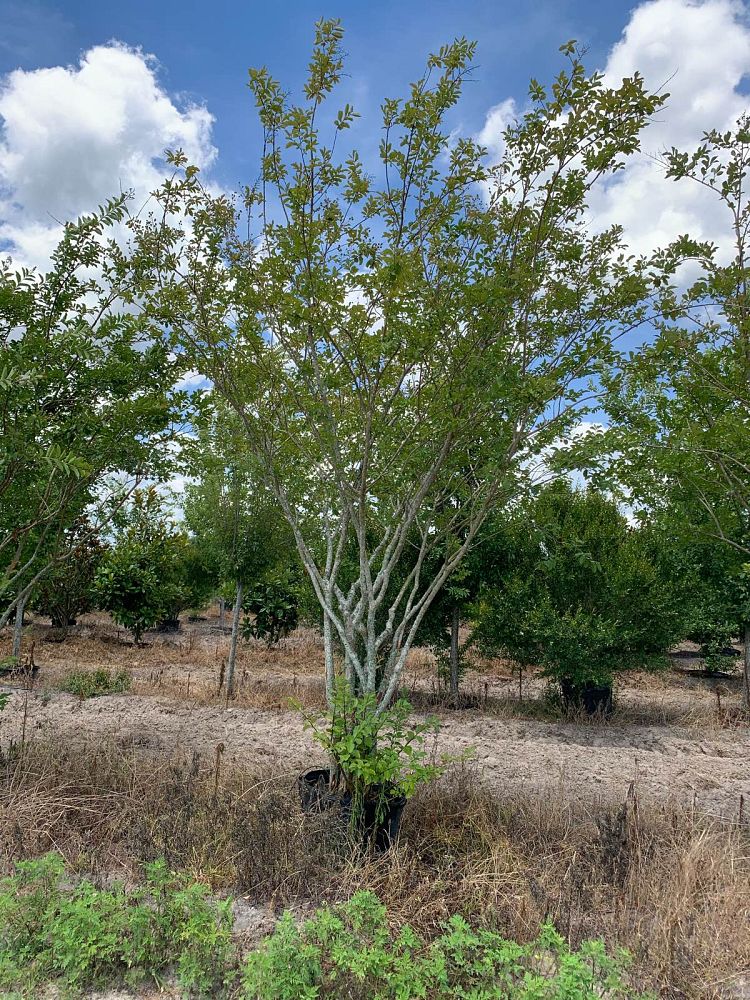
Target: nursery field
{"x": 679, "y": 735}
{"x": 633, "y": 827}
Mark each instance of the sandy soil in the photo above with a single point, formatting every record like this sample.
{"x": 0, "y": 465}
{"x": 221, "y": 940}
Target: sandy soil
{"x": 590, "y": 760}
{"x": 668, "y": 735}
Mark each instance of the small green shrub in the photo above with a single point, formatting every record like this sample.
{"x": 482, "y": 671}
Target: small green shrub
{"x": 81, "y": 935}
{"x": 348, "y": 951}
{"x": 8, "y": 664}
{"x": 379, "y": 756}
{"x": 90, "y": 683}
{"x": 274, "y": 604}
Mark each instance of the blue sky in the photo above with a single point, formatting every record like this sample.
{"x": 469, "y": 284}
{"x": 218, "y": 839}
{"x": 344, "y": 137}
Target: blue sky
{"x": 204, "y": 50}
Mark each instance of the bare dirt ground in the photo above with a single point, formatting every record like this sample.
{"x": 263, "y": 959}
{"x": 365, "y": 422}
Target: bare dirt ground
{"x": 677, "y": 735}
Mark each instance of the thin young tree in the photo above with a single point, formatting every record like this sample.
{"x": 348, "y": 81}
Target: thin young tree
{"x": 230, "y": 513}
{"x": 87, "y": 405}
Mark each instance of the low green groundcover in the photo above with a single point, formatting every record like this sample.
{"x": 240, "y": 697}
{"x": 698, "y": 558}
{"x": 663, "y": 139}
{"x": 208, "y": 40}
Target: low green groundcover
{"x": 77, "y": 935}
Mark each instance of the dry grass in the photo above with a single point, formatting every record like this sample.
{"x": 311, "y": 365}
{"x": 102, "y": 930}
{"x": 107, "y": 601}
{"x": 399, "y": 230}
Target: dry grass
{"x": 672, "y": 886}
{"x": 187, "y": 666}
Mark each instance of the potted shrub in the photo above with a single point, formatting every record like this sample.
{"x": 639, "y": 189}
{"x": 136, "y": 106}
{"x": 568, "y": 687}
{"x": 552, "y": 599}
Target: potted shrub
{"x": 378, "y": 759}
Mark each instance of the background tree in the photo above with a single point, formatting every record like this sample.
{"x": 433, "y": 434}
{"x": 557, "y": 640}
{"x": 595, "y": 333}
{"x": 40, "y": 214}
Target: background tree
{"x": 378, "y": 338}
{"x": 141, "y": 578}
{"x": 237, "y": 523}
{"x": 680, "y": 409}
{"x": 68, "y": 591}
{"x": 580, "y": 596}
{"x": 86, "y": 392}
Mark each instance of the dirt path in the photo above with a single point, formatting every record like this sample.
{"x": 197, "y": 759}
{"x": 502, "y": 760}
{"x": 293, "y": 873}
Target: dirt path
{"x": 599, "y": 761}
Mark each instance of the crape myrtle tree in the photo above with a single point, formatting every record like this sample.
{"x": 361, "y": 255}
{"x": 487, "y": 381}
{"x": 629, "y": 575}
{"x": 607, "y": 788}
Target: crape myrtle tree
{"x": 235, "y": 520}
{"x": 86, "y": 397}
{"x": 380, "y": 335}
{"x": 680, "y": 441}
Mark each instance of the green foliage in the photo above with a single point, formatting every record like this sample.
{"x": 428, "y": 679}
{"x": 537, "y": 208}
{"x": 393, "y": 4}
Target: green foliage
{"x": 237, "y": 524}
{"x": 80, "y": 935}
{"x": 152, "y": 571}
{"x": 380, "y": 754}
{"x": 349, "y": 952}
{"x": 709, "y": 580}
{"x": 579, "y": 595}
{"x": 679, "y": 409}
{"x": 86, "y": 381}
{"x": 274, "y": 605}
{"x": 90, "y": 683}
{"x": 398, "y": 343}
{"x": 68, "y": 589}
{"x": 8, "y": 664}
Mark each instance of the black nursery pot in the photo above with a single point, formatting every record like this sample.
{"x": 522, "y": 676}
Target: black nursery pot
{"x": 315, "y": 791}
{"x": 380, "y": 821}
{"x": 169, "y": 625}
{"x": 594, "y": 699}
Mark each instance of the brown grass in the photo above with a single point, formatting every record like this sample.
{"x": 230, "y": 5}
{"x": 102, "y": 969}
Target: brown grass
{"x": 187, "y": 667}
{"x": 671, "y": 886}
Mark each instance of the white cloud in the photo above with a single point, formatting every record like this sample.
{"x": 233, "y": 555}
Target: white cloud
{"x": 498, "y": 118}
{"x": 699, "y": 53}
{"x": 192, "y": 380}
{"x": 73, "y": 136}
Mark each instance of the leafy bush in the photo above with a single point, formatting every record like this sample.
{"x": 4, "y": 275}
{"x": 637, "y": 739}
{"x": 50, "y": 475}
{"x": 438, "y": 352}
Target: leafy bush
{"x": 348, "y": 951}
{"x": 90, "y": 683}
{"x": 380, "y": 756}
{"x": 81, "y": 935}
{"x": 152, "y": 572}
{"x": 274, "y": 604}
{"x": 582, "y": 597}
{"x": 68, "y": 590}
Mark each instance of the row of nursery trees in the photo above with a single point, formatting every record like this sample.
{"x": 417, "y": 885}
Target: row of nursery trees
{"x": 400, "y": 348}
{"x": 562, "y": 581}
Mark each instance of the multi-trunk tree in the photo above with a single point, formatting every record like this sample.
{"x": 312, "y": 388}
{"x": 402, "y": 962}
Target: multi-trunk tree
{"x": 401, "y": 340}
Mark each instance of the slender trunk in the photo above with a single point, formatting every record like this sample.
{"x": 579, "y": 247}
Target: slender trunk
{"x": 18, "y": 629}
{"x": 455, "y": 624}
{"x": 235, "y": 634}
{"x": 222, "y": 607}
{"x": 746, "y": 672}
{"x": 329, "y": 659}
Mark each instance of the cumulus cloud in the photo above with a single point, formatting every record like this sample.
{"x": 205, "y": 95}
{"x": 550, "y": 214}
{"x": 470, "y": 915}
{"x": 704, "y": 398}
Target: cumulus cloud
{"x": 497, "y": 120}
{"x": 71, "y": 136}
{"x": 698, "y": 51}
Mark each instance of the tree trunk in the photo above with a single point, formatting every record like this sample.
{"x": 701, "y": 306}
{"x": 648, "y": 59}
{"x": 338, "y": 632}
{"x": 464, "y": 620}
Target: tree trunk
{"x": 222, "y": 606}
{"x": 18, "y": 629}
{"x": 455, "y": 624}
{"x": 746, "y": 672}
{"x": 235, "y": 634}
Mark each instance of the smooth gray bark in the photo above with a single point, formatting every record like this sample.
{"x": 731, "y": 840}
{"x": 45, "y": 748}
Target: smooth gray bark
{"x": 18, "y": 628}
{"x": 235, "y": 635}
